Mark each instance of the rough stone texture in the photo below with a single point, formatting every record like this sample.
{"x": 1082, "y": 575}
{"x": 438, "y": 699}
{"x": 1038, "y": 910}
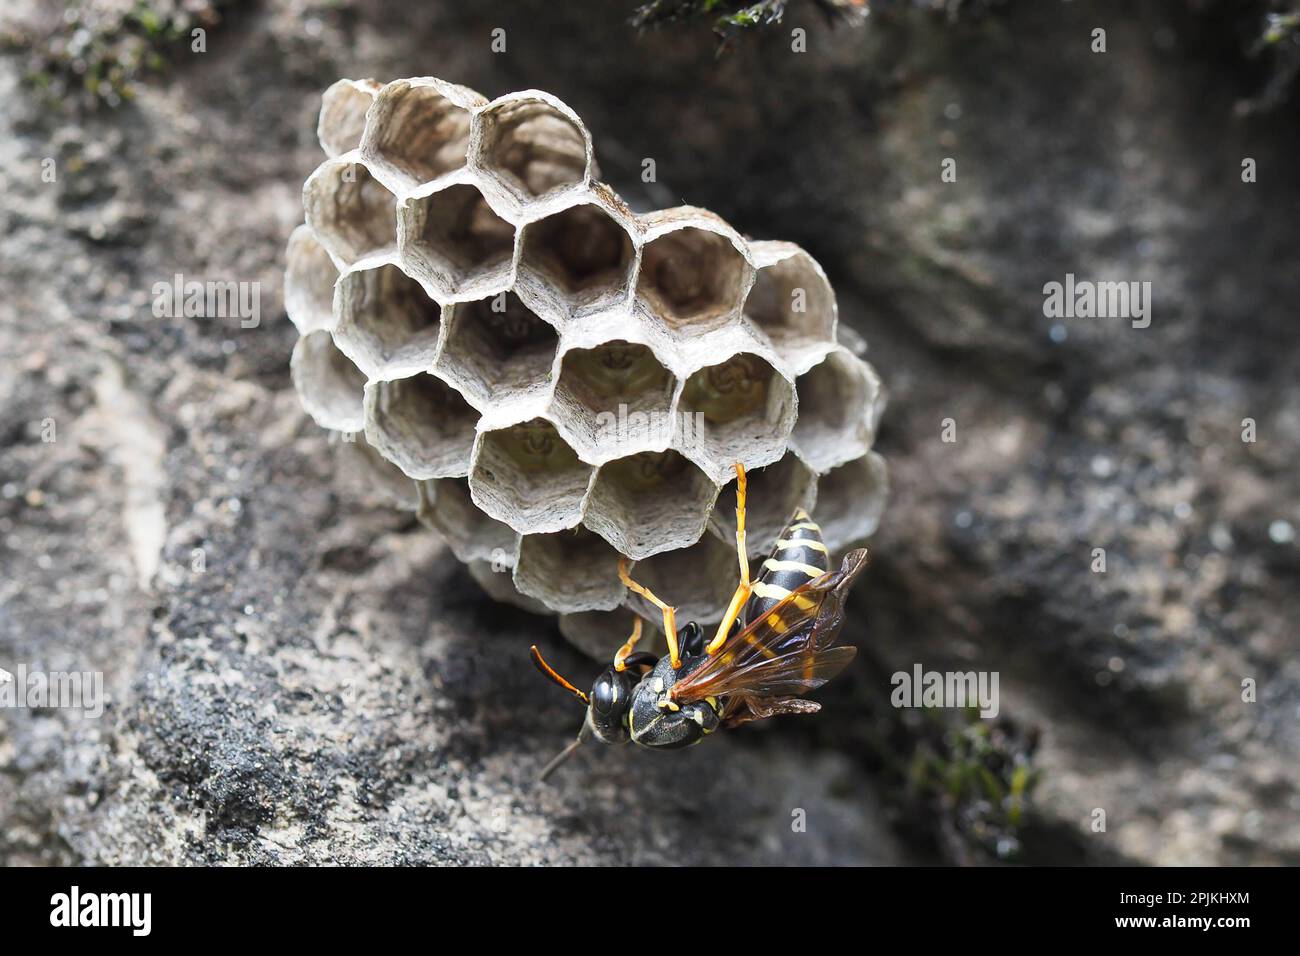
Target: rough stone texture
{"x": 333, "y": 688}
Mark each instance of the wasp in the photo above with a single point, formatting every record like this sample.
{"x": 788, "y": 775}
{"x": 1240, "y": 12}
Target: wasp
{"x": 774, "y": 644}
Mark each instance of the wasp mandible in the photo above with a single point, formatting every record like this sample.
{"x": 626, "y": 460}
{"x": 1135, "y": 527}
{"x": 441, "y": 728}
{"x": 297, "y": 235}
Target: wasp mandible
{"x": 774, "y": 644}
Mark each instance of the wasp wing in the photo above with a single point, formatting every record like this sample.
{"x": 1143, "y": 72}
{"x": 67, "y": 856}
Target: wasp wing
{"x": 785, "y": 653}
{"x": 747, "y": 709}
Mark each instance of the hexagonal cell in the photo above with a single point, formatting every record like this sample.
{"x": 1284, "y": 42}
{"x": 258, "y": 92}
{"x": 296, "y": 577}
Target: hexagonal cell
{"x": 418, "y": 130}
{"x": 369, "y": 475}
{"x": 851, "y": 499}
{"x": 738, "y": 410}
{"x": 497, "y": 350}
{"x": 533, "y": 145}
{"x": 698, "y": 581}
{"x": 614, "y": 399}
{"x": 569, "y": 571}
{"x": 692, "y": 269}
{"x": 651, "y": 502}
{"x": 581, "y": 259}
{"x": 774, "y": 494}
{"x": 791, "y": 301}
{"x": 387, "y": 324}
{"x": 343, "y": 115}
{"x": 422, "y": 425}
{"x": 451, "y": 240}
{"x": 309, "y": 276}
{"x": 353, "y": 215}
{"x": 839, "y": 404}
{"x": 598, "y": 634}
{"x": 329, "y": 386}
{"x": 445, "y": 506}
{"x": 527, "y": 476}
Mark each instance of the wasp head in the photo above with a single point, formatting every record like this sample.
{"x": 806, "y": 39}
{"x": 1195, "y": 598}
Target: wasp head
{"x": 608, "y": 705}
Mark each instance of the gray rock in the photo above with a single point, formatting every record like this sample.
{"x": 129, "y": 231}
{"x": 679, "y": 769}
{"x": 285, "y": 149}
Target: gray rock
{"x": 332, "y": 688}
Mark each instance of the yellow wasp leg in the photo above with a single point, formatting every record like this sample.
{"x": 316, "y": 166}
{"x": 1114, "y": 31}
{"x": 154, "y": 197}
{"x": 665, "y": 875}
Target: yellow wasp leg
{"x": 620, "y": 659}
{"x": 745, "y": 588}
{"x": 670, "y": 613}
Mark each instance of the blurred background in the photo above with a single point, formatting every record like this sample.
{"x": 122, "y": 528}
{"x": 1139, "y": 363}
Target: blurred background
{"x": 329, "y": 686}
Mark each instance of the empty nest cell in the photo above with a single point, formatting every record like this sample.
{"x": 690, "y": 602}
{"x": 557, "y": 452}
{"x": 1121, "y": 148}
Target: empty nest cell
{"x": 791, "y": 300}
{"x": 698, "y": 581}
{"x": 343, "y": 115}
{"x": 418, "y": 130}
{"x": 353, "y": 215}
{"x": 309, "y": 276}
{"x": 581, "y": 256}
{"x": 533, "y": 145}
{"x": 650, "y": 502}
{"x": 387, "y": 323}
{"x": 851, "y": 500}
{"x": 452, "y": 240}
{"x": 527, "y": 476}
{"x": 446, "y": 506}
{"x": 774, "y": 493}
{"x": 496, "y": 349}
{"x": 614, "y": 399}
{"x": 694, "y": 277}
{"x": 838, "y": 407}
{"x": 740, "y": 410}
{"x": 569, "y": 571}
{"x": 329, "y": 386}
{"x": 422, "y": 425}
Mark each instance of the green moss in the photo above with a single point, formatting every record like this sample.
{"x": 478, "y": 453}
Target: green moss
{"x": 96, "y": 52}
{"x": 978, "y": 777}
{"x": 1280, "y": 27}
{"x": 728, "y": 17}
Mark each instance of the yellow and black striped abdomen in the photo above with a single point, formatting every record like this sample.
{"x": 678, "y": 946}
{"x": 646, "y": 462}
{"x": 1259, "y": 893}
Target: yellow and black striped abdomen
{"x": 798, "y": 557}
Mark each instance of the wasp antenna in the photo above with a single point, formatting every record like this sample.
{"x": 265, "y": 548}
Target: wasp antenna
{"x": 549, "y": 672}
{"x": 564, "y": 754}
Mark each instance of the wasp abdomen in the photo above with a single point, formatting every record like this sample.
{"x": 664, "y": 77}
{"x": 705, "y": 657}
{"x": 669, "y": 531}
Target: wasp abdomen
{"x": 798, "y": 557}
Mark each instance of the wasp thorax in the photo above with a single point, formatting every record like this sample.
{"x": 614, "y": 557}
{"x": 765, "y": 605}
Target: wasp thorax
{"x": 656, "y": 720}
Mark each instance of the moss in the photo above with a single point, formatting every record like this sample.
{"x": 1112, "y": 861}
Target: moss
{"x": 978, "y": 778}
{"x": 96, "y": 52}
{"x": 729, "y": 18}
{"x": 1277, "y": 44}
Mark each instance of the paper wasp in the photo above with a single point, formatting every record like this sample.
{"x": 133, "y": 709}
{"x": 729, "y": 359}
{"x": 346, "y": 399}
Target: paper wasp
{"x": 774, "y": 644}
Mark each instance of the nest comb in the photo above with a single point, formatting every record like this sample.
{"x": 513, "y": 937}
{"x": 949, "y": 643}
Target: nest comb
{"x": 552, "y": 380}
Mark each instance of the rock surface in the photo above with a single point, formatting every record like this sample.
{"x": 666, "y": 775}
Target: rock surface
{"x": 300, "y": 674}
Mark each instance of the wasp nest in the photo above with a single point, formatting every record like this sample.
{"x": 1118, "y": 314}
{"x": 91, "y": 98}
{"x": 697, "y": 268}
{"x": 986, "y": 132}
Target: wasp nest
{"x": 553, "y": 380}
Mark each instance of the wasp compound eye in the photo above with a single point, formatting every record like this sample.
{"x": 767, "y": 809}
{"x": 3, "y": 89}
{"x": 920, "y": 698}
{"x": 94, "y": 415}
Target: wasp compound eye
{"x": 611, "y": 696}
{"x": 605, "y": 695}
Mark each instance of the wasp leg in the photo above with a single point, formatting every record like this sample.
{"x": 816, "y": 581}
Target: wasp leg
{"x": 620, "y": 658}
{"x": 670, "y": 613}
{"x": 745, "y": 588}
{"x": 642, "y": 659}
